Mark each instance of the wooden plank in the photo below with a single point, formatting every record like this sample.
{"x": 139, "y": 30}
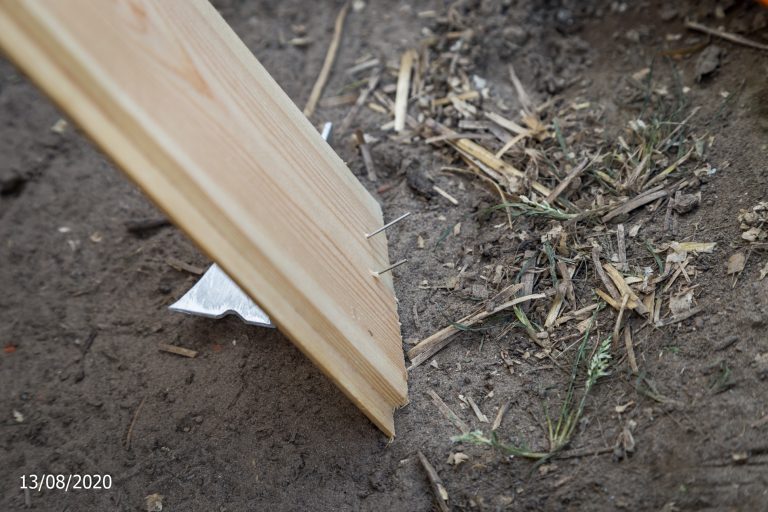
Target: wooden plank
{"x": 168, "y": 90}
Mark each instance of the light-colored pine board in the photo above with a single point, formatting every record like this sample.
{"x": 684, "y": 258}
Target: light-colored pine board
{"x": 173, "y": 96}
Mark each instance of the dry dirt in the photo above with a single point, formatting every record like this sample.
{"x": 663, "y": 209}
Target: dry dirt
{"x": 250, "y": 424}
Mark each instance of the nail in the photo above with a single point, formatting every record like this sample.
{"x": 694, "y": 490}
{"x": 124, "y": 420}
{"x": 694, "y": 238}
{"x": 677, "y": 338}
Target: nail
{"x": 385, "y": 226}
{"x": 390, "y": 267}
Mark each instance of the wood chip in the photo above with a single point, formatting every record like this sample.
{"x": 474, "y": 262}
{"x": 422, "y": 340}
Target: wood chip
{"x": 179, "y": 351}
{"x": 736, "y": 263}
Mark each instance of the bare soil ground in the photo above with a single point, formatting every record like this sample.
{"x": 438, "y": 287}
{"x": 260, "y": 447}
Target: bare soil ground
{"x": 250, "y": 424}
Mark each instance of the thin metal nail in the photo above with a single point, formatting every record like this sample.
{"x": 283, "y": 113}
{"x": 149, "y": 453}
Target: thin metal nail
{"x": 385, "y": 226}
{"x": 393, "y": 266}
{"x": 327, "y": 130}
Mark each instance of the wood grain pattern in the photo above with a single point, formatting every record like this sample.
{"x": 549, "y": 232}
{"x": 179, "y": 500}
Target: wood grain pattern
{"x": 180, "y": 104}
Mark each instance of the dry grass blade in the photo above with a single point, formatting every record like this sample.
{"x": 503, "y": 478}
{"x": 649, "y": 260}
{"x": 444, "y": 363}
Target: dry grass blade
{"x": 507, "y": 124}
{"x": 487, "y": 158}
{"x": 630, "y": 351}
{"x": 614, "y": 293}
{"x": 619, "y": 318}
{"x": 439, "y": 340}
{"x": 624, "y": 289}
{"x": 525, "y": 100}
{"x": 678, "y": 318}
{"x": 330, "y": 56}
{"x": 576, "y": 172}
{"x": 671, "y": 168}
{"x": 634, "y": 203}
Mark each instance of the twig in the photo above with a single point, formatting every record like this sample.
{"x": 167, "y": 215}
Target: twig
{"x": 726, "y": 35}
{"x": 365, "y": 151}
{"x": 330, "y": 56}
{"x": 129, "y": 435}
{"x": 436, "y": 484}
{"x": 447, "y": 412}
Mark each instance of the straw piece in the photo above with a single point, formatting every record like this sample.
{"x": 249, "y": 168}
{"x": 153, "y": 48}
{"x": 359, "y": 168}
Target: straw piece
{"x": 507, "y": 124}
{"x": 179, "y": 351}
{"x": 630, "y": 350}
{"x": 500, "y": 416}
{"x": 624, "y": 289}
{"x": 622, "y": 248}
{"x": 330, "y": 56}
{"x": 447, "y": 412}
{"x": 403, "y": 85}
{"x": 480, "y": 416}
